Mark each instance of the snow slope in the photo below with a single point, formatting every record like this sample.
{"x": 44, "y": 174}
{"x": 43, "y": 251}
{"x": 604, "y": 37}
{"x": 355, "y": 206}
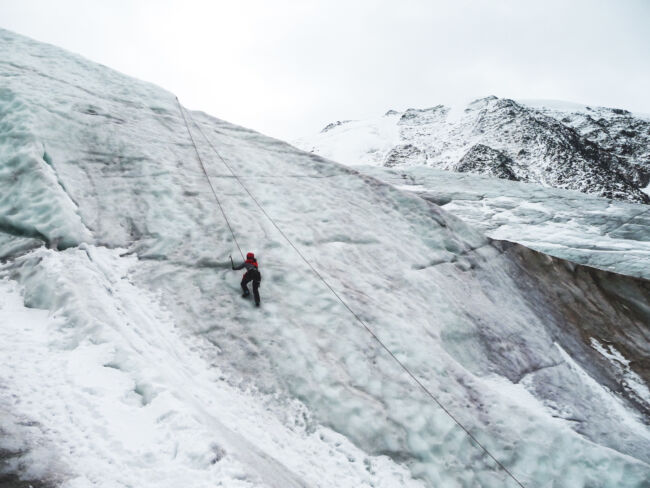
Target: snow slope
{"x": 128, "y": 358}
{"x": 584, "y": 229}
{"x": 597, "y": 150}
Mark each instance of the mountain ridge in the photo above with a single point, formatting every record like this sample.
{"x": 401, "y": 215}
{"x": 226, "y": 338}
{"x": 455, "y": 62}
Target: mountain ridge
{"x": 600, "y": 151}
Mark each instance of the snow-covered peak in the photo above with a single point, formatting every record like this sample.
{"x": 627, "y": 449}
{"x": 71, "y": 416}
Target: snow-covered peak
{"x": 596, "y": 150}
{"x": 572, "y": 107}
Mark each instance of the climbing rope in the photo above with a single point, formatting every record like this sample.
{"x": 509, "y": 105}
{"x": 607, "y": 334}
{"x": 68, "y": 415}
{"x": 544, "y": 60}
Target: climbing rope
{"x": 207, "y": 177}
{"x": 354, "y": 314}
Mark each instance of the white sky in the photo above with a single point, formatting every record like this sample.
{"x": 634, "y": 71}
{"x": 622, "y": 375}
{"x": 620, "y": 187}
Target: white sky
{"x": 287, "y": 68}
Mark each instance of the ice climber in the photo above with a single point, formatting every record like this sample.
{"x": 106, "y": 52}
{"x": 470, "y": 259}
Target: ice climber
{"x": 252, "y": 274}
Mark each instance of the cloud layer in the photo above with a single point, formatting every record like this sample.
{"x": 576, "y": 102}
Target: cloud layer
{"x": 287, "y": 68}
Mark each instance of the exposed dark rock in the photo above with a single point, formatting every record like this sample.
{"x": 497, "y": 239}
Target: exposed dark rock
{"x": 414, "y": 116}
{"x": 329, "y": 127}
{"x": 621, "y": 134}
{"x": 405, "y": 154}
{"x": 588, "y": 304}
{"x": 10, "y": 472}
{"x": 558, "y": 155}
{"x": 483, "y": 159}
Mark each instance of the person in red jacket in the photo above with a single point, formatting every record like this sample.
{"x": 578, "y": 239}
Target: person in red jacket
{"x": 252, "y": 274}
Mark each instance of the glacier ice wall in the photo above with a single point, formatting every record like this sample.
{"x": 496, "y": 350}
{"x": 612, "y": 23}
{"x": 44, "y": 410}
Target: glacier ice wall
{"x": 146, "y": 368}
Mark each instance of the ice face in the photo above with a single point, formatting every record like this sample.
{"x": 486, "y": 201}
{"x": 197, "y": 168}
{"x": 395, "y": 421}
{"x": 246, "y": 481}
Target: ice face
{"x": 149, "y": 369}
{"x": 34, "y": 202}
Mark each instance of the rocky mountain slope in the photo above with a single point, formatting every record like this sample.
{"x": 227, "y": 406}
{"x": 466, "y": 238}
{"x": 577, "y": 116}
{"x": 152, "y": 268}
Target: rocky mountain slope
{"x": 128, "y": 358}
{"x": 591, "y": 149}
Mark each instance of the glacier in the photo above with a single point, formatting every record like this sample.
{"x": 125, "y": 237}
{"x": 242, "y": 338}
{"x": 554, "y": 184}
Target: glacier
{"x": 584, "y": 229}
{"x": 129, "y": 359}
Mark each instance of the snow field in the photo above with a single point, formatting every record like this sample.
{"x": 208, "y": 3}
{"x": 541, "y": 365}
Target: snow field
{"x": 357, "y": 141}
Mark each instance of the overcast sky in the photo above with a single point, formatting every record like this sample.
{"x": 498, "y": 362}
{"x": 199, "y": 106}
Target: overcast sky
{"x": 287, "y": 68}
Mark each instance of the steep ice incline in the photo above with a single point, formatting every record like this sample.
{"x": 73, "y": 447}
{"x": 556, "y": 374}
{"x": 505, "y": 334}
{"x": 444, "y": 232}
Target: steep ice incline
{"x": 128, "y": 359}
{"x": 582, "y": 228}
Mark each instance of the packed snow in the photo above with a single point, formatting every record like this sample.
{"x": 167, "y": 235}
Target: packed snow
{"x": 128, "y": 358}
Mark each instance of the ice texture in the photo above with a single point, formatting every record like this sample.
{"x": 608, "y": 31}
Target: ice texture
{"x": 34, "y": 202}
{"x": 129, "y": 359}
{"x": 585, "y": 229}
